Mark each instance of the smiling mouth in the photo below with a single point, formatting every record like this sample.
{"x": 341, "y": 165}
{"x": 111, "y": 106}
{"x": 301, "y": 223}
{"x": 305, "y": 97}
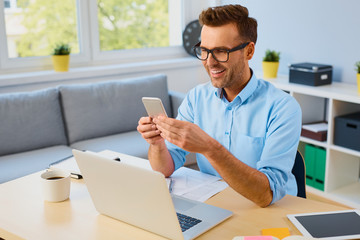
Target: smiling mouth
{"x": 217, "y": 73}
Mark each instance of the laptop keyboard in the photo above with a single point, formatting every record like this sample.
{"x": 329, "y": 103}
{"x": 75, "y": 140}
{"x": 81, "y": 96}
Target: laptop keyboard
{"x": 187, "y": 222}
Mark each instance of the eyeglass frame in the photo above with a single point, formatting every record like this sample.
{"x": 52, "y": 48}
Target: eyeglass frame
{"x": 239, "y": 47}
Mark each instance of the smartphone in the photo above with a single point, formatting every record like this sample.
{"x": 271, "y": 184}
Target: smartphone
{"x": 154, "y": 106}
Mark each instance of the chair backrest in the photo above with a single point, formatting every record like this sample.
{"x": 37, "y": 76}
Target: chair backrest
{"x": 299, "y": 173}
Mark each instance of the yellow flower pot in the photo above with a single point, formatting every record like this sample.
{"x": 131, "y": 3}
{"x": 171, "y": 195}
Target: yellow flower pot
{"x": 358, "y": 81}
{"x": 270, "y": 69}
{"x": 61, "y": 62}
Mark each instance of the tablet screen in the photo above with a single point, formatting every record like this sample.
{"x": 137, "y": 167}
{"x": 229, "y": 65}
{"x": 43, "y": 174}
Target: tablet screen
{"x": 333, "y": 225}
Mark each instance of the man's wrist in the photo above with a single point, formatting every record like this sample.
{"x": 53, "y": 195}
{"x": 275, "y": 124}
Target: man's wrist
{"x": 159, "y": 146}
{"x": 213, "y": 149}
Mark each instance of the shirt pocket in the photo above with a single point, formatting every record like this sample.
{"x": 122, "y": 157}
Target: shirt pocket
{"x": 247, "y": 149}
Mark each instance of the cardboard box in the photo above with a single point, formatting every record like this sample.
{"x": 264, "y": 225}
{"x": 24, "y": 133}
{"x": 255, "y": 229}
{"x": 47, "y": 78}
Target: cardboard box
{"x": 312, "y": 74}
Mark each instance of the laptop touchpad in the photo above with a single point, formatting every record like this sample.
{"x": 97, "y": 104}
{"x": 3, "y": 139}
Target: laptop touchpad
{"x": 182, "y": 205}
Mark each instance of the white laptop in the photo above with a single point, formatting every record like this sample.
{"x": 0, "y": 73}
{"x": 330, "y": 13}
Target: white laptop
{"x": 140, "y": 197}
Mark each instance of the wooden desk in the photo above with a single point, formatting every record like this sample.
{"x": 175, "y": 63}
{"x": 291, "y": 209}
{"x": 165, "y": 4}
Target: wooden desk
{"x": 24, "y": 214}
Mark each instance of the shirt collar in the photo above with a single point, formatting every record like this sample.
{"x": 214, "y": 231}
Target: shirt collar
{"x": 245, "y": 93}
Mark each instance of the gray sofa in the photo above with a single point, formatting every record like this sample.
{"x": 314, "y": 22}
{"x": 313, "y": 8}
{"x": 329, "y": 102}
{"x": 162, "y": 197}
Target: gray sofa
{"x": 40, "y": 127}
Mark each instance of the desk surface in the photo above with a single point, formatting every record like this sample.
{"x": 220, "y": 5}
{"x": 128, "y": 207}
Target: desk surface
{"x": 23, "y": 213}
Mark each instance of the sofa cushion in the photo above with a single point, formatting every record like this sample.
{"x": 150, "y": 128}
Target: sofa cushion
{"x": 18, "y": 165}
{"x": 107, "y": 108}
{"x": 30, "y": 121}
{"x": 130, "y": 143}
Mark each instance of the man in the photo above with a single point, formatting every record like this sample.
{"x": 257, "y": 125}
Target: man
{"x": 241, "y": 128}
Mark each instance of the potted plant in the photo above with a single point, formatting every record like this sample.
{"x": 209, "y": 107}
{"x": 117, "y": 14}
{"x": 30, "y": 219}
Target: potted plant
{"x": 61, "y": 57}
{"x": 271, "y": 64}
{"x": 357, "y": 65}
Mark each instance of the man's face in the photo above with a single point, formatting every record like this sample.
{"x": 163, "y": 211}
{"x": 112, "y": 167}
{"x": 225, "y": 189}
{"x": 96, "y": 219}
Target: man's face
{"x": 230, "y": 74}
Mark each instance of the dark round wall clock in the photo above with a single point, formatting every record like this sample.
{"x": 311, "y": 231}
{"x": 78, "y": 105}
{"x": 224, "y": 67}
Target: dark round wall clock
{"x": 191, "y": 36}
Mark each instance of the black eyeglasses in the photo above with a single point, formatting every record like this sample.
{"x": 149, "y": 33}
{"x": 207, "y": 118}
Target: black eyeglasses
{"x": 219, "y": 54}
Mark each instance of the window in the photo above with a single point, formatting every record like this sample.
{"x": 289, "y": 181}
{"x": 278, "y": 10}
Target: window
{"x": 34, "y": 27}
{"x": 128, "y": 24}
{"x": 31, "y": 29}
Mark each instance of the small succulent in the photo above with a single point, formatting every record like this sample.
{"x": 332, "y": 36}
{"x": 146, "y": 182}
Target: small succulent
{"x": 62, "y": 49}
{"x": 357, "y": 65}
{"x": 271, "y": 56}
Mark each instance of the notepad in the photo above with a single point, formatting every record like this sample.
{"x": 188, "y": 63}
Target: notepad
{"x": 316, "y": 127}
{"x": 294, "y": 237}
{"x": 68, "y": 164}
{"x": 279, "y": 233}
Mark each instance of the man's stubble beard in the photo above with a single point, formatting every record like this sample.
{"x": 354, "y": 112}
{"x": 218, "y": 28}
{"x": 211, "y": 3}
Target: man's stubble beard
{"x": 230, "y": 79}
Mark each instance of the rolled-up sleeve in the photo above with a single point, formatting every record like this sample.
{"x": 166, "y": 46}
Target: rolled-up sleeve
{"x": 278, "y": 155}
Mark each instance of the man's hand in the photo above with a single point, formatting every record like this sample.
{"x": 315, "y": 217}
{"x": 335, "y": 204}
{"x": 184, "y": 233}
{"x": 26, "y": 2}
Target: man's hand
{"x": 148, "y": 131}
{"x": 185, "y": 135}
{"x": 159, "y": 156}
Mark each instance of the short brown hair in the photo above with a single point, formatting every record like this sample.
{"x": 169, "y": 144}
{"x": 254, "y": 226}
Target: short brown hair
{"x": 221, "y": 15}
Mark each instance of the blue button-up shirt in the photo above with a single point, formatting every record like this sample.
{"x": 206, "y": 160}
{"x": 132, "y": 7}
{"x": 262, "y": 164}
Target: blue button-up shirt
{"x": 260, "y": 127}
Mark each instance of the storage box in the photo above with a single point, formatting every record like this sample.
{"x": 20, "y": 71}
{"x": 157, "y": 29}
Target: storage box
{"x": 319, "y": 136}
{"x": 315, "y": 130}
{"x": 312, "y": 74}
{"x": 347, "y": 131}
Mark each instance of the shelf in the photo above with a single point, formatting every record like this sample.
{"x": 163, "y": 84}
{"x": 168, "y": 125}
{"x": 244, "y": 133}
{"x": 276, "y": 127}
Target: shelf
{"x": 349, "y": 195}
{"x": 314, "y": 142}
{"x": 345, "y": 150}
{"x": 325, "y": 103}
{"x": 339, "y": 91}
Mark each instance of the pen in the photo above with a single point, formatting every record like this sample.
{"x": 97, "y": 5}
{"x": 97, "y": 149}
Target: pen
{"x": 72, "y": 175}
{"x": 76, "y": 176}
{"x": 170, "y": 185}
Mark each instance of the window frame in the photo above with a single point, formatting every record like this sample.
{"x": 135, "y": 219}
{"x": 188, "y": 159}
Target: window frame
{"x": 89, "y": 42}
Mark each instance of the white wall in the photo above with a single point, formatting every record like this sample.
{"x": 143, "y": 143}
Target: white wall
{"x": 320, "y": 31}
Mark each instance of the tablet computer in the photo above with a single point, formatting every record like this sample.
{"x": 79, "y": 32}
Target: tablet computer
{"x": 328, "y": 225}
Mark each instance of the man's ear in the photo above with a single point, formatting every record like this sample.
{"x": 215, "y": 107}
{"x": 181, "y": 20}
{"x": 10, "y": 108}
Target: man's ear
{"x": 250, "y": 50}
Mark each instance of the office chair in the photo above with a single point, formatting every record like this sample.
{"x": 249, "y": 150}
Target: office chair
{"x": 299, "y": 172}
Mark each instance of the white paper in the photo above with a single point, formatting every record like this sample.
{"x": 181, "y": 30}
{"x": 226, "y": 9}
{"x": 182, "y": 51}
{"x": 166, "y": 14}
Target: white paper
{"x": 68, "y": 164}
{"x": 128, "y": 159}
{"x": 186, "y": 179}
{"x": 195, "y": 185}
{"x": 316, "y": 127}
{"x": 206, "y": 191}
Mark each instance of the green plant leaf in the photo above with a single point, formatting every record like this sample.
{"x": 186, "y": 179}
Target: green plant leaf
{"x": 62, "y": 49}
{"x": 357, "y": 65}
{"x": 271, "y": 56}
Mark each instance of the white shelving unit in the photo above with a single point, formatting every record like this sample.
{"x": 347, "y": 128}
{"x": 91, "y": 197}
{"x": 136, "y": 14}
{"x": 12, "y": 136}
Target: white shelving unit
{"x": 342, "y": 172}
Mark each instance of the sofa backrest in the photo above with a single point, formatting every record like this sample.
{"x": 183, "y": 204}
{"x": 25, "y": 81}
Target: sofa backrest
{"x": 30, "y": 120}
{"x": 106, "y": 108}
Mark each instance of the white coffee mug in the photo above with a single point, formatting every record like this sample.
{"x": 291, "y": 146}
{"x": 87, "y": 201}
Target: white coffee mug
{"x": 56, "y": 185}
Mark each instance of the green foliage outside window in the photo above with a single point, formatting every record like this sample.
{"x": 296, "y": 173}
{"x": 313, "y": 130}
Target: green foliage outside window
{"x": 128, "y": 24}
{"x": 123, "y": 24}
{"x": 48, "y": 22}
